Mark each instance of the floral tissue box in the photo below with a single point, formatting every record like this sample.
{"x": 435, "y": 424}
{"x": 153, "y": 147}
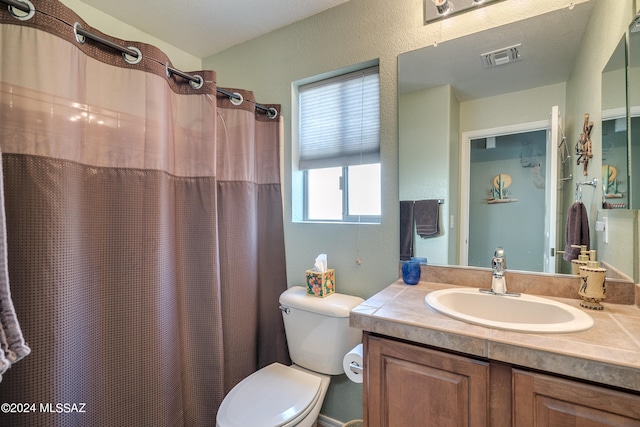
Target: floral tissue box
{"x": 321, "y": 284}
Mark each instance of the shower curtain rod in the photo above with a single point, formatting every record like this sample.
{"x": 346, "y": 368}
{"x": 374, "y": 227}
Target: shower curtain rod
{"x": 26, "y": 7}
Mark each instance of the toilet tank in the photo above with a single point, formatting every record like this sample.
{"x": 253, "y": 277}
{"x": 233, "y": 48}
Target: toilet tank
{"x": 318, "y": 331}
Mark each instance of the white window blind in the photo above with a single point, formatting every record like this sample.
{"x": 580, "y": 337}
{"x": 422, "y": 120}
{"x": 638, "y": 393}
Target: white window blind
{"x": 340, "y": 121}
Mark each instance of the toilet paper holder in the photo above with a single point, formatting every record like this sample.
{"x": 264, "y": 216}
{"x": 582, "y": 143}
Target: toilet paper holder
{"x": 353, "y": 364}
{"x": 355, "y": 368}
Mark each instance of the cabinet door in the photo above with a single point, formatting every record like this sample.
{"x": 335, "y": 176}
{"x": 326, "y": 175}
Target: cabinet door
{"x": 408, "y": 385}
{"x": 542, "y": 400}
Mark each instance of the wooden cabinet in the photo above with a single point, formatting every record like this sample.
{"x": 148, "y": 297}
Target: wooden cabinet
{"x": 542, "y": 400}
{"x": 409, "y": 385}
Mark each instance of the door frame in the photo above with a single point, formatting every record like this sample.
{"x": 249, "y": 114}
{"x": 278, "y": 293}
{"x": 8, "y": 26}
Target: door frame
{"x": 465, "y": 165}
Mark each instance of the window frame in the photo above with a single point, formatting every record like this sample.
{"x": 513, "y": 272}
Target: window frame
{"x": 299, "y": 178}
{"x": 344, "y": 188}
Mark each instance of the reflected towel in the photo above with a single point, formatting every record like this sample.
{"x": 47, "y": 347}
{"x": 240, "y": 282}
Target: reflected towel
{"x": 577, "y": 232}
{"x": 406, "y": 229}
{"x": 12, "y": 342}
{"x": 427, "y": 214}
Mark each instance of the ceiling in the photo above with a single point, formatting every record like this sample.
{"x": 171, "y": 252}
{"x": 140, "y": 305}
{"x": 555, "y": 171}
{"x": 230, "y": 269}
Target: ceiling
{"x": 550, "y": 44}
{"x": 205, "y": 27}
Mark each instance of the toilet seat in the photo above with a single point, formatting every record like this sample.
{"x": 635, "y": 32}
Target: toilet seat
{"x": 275, "y": 396}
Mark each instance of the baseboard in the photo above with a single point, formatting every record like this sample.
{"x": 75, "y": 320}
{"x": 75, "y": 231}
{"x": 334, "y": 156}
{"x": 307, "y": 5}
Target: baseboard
{"x": 324, "y": 421}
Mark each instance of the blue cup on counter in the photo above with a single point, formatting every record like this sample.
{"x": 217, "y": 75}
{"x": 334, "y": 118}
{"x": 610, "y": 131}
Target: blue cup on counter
{"x": 411, "y": 272}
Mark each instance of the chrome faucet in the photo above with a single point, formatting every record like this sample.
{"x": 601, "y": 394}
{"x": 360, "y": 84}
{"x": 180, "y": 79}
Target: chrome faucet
{"x": 499, "y": 267}
{"x": 498, "y": 279}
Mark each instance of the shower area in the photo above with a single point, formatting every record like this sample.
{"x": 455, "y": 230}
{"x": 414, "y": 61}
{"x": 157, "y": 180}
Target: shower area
{"x": 144, "y": 238}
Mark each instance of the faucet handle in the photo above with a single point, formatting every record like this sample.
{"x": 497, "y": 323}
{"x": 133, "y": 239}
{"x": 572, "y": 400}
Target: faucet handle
{"x": 499, "y": 261}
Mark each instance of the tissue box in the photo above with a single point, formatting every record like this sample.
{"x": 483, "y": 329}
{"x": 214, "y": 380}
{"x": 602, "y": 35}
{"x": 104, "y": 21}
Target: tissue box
{"x": 321, "y": 284}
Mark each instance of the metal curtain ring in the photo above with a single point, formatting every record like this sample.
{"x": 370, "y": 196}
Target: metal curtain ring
{"x": 130, "y": 58}
{"x": 20, "y": 14}
{"x": 272, "y": 113}
{"x": 79, "y": 38}
{"x": 236, "y": 101}
{"x": 198, "y": 84}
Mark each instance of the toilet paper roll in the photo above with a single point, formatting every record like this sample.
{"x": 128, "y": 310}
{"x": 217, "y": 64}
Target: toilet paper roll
{"x": 353, "y": 365}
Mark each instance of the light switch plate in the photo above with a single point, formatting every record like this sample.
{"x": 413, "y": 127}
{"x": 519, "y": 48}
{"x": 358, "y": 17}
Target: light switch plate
{"x": 602, "y": 226}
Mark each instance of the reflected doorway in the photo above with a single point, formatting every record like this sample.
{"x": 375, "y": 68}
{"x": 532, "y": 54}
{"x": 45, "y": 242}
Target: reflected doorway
{"x": 507, "y": 199}
{"x": 509, "y": 195}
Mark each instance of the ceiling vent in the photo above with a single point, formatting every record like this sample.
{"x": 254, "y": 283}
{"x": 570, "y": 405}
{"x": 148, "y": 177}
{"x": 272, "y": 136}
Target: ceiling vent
{"x": 501, "y": 56}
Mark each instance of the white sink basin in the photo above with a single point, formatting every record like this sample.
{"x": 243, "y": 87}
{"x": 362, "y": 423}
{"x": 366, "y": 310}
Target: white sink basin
{"x": 526, "y": 313}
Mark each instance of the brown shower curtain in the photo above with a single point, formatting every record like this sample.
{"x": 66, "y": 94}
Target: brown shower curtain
{"x": 144, "y": 232}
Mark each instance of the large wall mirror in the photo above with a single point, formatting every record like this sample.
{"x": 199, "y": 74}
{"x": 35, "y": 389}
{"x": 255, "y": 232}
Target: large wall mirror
{"x": 484, "y": 134}
{"x": 615, "y": 171}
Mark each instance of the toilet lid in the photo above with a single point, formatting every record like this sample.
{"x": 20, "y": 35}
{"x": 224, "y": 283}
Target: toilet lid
{"x": 270, "y": 397}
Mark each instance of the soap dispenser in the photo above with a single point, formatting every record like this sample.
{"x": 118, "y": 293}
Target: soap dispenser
{"x": 582, "y": 260}
{"x": 592, "y": 278}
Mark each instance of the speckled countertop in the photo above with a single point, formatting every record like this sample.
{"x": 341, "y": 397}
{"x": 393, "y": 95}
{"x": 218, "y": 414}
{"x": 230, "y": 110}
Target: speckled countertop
{"x": 608, "y": 353}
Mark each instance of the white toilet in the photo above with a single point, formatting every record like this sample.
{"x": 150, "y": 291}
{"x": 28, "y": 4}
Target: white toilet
{"x": 318, "y": 337}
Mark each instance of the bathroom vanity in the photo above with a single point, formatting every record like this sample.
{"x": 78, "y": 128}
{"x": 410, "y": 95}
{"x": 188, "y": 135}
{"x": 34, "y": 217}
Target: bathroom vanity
{"x": 424, "y": 367}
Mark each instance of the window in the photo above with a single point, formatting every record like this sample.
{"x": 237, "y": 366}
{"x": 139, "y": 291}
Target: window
{"x": 339, "y": 147}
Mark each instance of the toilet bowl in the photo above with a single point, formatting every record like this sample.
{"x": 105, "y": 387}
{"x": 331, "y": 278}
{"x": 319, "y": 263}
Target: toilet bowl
{"x": 318, "y": 337}
{"x": 299, "y": 392}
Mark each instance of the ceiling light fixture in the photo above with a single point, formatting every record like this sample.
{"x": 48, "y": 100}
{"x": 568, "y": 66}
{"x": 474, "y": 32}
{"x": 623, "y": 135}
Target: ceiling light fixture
{"x": 445, "y": 8}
